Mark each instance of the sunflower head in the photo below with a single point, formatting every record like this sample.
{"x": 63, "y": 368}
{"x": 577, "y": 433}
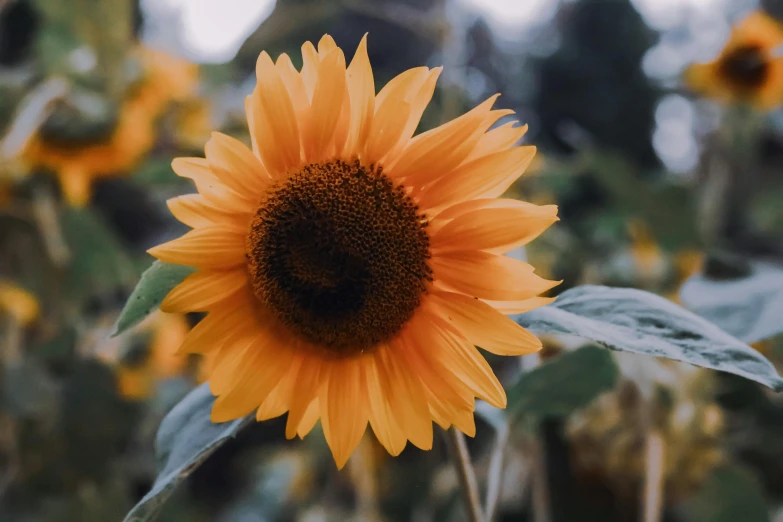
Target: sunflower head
{"x": 750, "y": 67}
{"x": 348, "y": 268}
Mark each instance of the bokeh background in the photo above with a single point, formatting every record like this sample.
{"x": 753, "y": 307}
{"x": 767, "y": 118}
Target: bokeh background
{"x": 655, "y": 182}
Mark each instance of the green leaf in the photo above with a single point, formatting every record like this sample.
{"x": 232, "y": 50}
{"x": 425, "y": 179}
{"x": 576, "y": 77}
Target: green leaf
{"x": 156, "y": 282}
{"x": 730, "y": 493}
{"x": 99, "y": 261}
{"x": 640, "y": 322}
{"x": 748, "y": 305}
{"x": 186, "y": 438}
{"x": 565, "y": 384}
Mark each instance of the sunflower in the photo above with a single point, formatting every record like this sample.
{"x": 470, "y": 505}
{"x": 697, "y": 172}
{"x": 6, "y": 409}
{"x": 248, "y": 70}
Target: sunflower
{"x": 18, "y": 303}
{"x": 139, "y": 381}
{"x": 166, "y": 78}
{"x": 348, "y": 268}
{"x": 750, "y": 67}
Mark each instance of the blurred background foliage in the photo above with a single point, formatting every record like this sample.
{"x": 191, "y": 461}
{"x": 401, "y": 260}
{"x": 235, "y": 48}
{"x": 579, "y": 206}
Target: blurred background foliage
{"x": 655, "y": 183}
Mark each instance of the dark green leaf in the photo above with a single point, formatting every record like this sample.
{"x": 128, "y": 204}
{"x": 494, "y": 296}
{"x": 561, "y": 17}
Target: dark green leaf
{"x": 99, "y": 261}
{"x": 186, "y": 438}
{"x": 29, "y": 390}
{"x": 567, "y": 383}
{"x": 748, "y": 306}
{"x": 640, "y": 322}
{"x": 729, "y": 494}
{"x": 156, "y": 282}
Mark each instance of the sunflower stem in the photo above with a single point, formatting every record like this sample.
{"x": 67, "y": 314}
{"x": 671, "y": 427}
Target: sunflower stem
{"x": 495, "y": 473}
{"x": 652, "y": 502}
{"x": 467, "y": 475}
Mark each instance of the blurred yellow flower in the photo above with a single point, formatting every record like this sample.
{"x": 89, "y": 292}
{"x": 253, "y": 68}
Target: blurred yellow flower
{"x": 166, "y": 78}
{"x": 18, "y": 303}
{"x": 138, "y": 381}
{"x": 750, "y": 67}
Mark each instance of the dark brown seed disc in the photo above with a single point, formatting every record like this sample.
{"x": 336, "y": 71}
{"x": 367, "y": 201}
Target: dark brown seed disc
{"x": 339, "y": 254}
{"x": 746, "y": 68}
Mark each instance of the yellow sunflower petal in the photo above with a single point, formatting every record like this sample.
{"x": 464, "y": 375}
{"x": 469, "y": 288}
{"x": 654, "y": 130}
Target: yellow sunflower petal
{"x": 406, "y": 397}
{"x": 483, "y": 325}
{"x": 295, "y": 86}
{"x": 236, "y": 165}
{"x": 382, "y": 421}
{"x": 344, "y": 411}
{"x": 467, "y": 364}
{"x": 310, "y": 65}
{"x": 309, "y": 380}
{"x": 486, "y": 177}
{"x": 260, "y": 371}
{"x": 326, "y": 107}
{"x": 210, "y": 186}
{"x": 197, "y": 292}
{"x": 195, "y": 210}
{"x": 496, "y": 230}
{"x": 216, "y": 246}
{"x": 436, "y": 152}
{"x": 488, "y": 276}
{"x": 361, "y": 91}
{"x": 499, "y": 139}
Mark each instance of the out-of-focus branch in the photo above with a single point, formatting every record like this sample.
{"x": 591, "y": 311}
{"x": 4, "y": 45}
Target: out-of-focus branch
{"x": 535, "y": 452}
{"x": 467, "y": 475}
{"x": 652, "y": 502}
{"x": 34, "y": 109}
{"x": 495, "y": 472}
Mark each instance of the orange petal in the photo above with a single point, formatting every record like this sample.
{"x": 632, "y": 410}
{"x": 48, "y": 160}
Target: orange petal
{"x": 263, "y": 367}
{"x": 276, "y": 403}
{"x": 483, "y": 325}
{"x": 295, "y": 86}
{"x": 326, "y": 107}
{"x": 236, "y": 166}
{"x": 496, "y": 230}
{"x": 488, "y": 276}
{"x": 438, "y": 151}
{"x": 461, "y": 358}
{"x": 326, "y": 45}
{"x": 418, "y": 101}
{"x": 308, "y": 385}
{"x": 310, "y": 64}
{"x": 344, "y": 415}
{"x": 342, "y": 129}
{"x": 361, "y": 91}
{"x": 387, "y": 125}
{"x": 450, "y": 394}
{"x": 406, "y": 397}
{"x": 485, "y": 177}
{"x": 310, "y": 417}
{"x": 275, "y": 119}
{"x": 497, "y": 140}
{"x": 216, "y": 246}
{"x": 195, "y": 210}
{"x": 386, "y": 429}
{"x": 209, "y": 186}
{"x": 201, "y": 290}
{"x": 229, "y": 316}
{"x": 398, "y": 93}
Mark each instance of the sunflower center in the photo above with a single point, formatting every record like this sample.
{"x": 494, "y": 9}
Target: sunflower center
{"x": 339, "y": 254}
{"x": 746, "y": 67}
